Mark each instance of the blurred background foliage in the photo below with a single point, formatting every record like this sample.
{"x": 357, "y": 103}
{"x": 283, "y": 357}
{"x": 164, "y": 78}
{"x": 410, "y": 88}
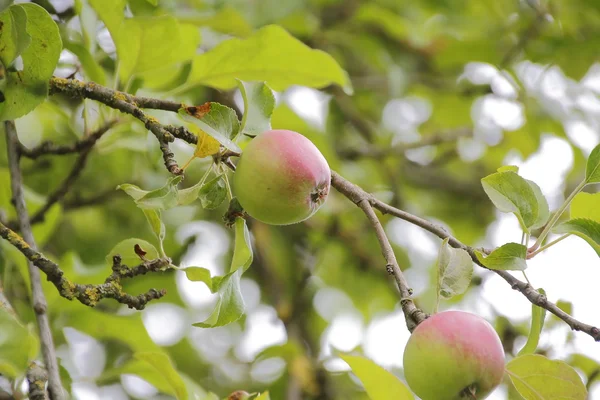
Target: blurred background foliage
{"x": 445, "y": 92}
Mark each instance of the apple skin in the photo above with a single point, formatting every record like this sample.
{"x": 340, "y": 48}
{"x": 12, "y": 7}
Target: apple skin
{"x": 281, "y": 178}
{"x": 451, "y": 353}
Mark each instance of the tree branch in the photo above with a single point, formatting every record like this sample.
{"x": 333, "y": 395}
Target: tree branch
{"x": 430, "y": 140}
{"x": 89, "y": 294}
{"x": 127, "y": 104}
{"x": 355, "y": 194}
{"x": 39, "y": 300}
{"x": 36, "y": 379}
{"x": 413, "y": 315}
{"x": 79, "y": 146}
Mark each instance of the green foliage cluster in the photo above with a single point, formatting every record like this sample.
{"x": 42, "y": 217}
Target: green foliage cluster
{"x": 240, "y": 64}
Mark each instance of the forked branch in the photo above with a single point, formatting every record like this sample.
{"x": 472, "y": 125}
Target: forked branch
{"x": 357, "y": 195}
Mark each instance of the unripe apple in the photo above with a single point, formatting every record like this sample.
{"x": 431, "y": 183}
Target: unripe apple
{"x": 453, "y": 355}
{"x": 281, "y": 178}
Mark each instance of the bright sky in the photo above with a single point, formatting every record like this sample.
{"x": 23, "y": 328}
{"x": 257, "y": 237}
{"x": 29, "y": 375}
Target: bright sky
{"x": 568, "y": 271}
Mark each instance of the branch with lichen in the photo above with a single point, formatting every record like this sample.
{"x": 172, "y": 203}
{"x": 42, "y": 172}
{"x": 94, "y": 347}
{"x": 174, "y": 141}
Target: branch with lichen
{"x": 361, "y": 198}
{"x": 127, "y": 104}
{"x": 89, "y": 294}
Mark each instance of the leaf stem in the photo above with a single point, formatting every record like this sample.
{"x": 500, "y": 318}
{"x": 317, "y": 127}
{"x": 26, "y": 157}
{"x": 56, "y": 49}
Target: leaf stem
{"x": 552, "y": 243}
{"x": 556, "y": 216}
{"x": 526, "y": 278}
{"x": 229, "y": 192}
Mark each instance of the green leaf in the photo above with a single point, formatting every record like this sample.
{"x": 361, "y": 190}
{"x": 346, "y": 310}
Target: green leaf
{"x": 162, "y": 198}
{"x": 199, "y": 274}
{"x": 13, "y": 34}
{"x": 509, "y": 168}
{"x": 271, "y": 55}
{"x": 586, "y": 229}
{"x": 538, "y": 315}
{"x": 141, "y": 41}
{"x": 155, "y": 221}
{"x": 537, "y": 378}
{"x": 542, "y": 205}
{"x": 511, "y": 193}
{"x": 379, "y": 383}
{"x": 27, "y": 88}
{"x": 259, "y": 103}
{"x": 18, "y": 344}
{"x": 242, "y": 253}
{"x": 225, "y": 20}
{"x": 189, "y": 195}
{"x": 133, "y": 191}
{"x": 455, "y": 269}
{"x": 586, "y": 205}
{"x": 510, "y": 256}
{"x": 216, "y": 120}
{"x": 592, "y": 171}
{"x": 164, "y": 366}
{"x": 126, "y": 250}
{"x": 213, "y": 193}
{"x": 230, "y": 306}
{"x": 263, "y": 396}
{"x": 127, "y": 329}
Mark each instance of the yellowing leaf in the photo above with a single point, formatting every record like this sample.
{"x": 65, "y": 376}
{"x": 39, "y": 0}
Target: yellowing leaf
{"x": 206, "y": 146}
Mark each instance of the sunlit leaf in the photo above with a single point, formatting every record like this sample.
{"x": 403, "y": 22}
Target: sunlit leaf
{"x": 379, "y": 383}
{"x": 586, "y": 205}
{"x": 259, "y": 103}
{"x": 263, "y": 396}
{"x": 270, "y": 55}
{"x": 511, "y": 193}
{"x": 455, "y": 269}
{"x": 537, "y": 378}
{"x": 510, "y": 256}
{"x": 586, "y": 229}
{"x": 538, "y": 315}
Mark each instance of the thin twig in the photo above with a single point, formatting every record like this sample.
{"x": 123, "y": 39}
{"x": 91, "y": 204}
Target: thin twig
{"x": 357, "y": 194}
{"x": 430, "y": 140}
{"x": 127, "y": 104}
{"x": 47, "y": 147}
{"x": 362, "y": 199}
{"x": 39, "y": 300}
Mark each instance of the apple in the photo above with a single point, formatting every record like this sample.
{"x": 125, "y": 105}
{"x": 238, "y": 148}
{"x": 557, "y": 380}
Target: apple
{"x": 453, "y": 355}
{"x": 281, "y": 178}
